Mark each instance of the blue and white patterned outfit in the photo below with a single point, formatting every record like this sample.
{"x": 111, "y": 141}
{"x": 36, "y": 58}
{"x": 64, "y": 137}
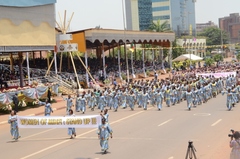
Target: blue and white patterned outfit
{"x": 48, "y": 109}
{"x": 12, "y": 120}
{"x": 104, "y": 132}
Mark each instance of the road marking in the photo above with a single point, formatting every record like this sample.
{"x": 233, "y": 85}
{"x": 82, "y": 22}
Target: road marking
{"x": 216, "y": 122}
{"x": 60, "y": 143}
{"x": 165, "y": 122}
{"x": 202, "y": 114}
{"x": 31, "y": 115}
{"x": 38, "y": 133}
{"x": 95, "y": 138}
{"x": 170, "y": 157}
{"x": 3, "y": 122}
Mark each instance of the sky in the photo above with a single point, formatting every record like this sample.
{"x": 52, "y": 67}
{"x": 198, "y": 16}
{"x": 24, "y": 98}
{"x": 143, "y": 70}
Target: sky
{"x": 108, "y": 13}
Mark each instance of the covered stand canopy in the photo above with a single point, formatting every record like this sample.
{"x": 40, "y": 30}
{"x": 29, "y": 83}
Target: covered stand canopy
{"x": 188, "y": 57}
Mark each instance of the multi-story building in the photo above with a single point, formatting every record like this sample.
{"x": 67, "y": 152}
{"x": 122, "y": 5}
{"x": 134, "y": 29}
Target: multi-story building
{"x": 201, "y": 26}
{"x": 138, "y": 14}
{"x": 180, "y": 14}
{"x": 231, "y": 24}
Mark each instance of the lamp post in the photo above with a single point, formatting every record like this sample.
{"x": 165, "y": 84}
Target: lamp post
{"x": 125, "y": 41}
{"x": 221, "y": 42}
{"x": 189, "y": 40}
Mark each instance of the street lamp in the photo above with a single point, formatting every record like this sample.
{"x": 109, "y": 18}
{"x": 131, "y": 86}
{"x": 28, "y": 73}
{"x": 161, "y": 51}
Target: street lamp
{"x": 189, "y": 39}
{"x": 125, "y": 41}
{"x": 221, "y": 41}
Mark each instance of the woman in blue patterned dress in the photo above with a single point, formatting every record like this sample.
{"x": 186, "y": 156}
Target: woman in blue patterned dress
{"x": 71, "y": 131}
{"x": 189, "y": 98}
{"x": 12, "y": 120}
{"x": 104, "y": 132}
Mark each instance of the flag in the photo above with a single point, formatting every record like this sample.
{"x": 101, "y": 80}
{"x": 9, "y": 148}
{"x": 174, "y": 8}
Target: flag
{"x": 132, "y": 47}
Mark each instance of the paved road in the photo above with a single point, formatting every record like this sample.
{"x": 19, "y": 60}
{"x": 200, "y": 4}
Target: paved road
{"x": 137, "y": 134}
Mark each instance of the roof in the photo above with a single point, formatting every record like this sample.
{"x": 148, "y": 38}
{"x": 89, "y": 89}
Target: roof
{"x": 109, "y": 35}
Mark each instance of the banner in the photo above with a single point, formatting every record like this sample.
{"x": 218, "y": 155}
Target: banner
{"x": 217, "y": 75}
{"x": 90, "y": 121}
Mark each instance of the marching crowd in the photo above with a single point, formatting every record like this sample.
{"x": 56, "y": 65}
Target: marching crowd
{"x": 196, "y": 90}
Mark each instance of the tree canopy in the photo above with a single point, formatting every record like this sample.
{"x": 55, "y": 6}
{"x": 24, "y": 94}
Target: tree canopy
{"x": 177, "y": 50}
{"x": 213, "y": 35}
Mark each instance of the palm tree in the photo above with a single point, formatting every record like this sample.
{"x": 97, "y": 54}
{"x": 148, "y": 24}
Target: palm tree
{"x": 158, "y": 27}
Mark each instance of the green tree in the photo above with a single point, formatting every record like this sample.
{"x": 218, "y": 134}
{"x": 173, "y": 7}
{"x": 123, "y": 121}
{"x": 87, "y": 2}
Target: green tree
{"x": 209, "y": 61}
{"x": 177, "y": 50}
{"x": 214, "y": 36}
{"x": 238, "y": 56}
{"x": 160, "y": 27}
{"x": 218, "y": 58}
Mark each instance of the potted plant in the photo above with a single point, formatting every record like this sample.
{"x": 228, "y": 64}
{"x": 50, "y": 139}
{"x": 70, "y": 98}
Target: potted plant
{"x": 148, "y": 73}
{"x": 59, "y": 92}
{"x": 107, "y": 82}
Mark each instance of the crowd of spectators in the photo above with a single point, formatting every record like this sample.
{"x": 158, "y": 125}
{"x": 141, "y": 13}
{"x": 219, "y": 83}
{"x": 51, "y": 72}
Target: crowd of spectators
{"x": 94, "y": 66}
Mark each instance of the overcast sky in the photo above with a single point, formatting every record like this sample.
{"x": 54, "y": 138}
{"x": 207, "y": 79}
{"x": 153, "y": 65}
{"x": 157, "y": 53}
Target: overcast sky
{"x": 108, "y": 13}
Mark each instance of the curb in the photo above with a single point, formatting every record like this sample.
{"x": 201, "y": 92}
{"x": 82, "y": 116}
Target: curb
{"x": 37, "y": 114}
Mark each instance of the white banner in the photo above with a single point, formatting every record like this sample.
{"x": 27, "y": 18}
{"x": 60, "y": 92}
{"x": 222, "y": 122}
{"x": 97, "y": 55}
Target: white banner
{"x": 90, "y": 121}
{"x": 217, "y": 75}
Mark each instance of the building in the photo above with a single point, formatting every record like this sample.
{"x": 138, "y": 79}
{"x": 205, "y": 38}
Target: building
{"x": 231, "y": 24}
{"x": 180, "y": 14}
{"x": 193, "y": 46}
{"x": 201, "y": 26}
{"x": 138, "y": 14}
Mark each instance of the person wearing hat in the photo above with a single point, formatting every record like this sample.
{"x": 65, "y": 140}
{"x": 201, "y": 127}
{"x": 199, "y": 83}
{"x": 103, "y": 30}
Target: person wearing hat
{"x": 104, "y": 132}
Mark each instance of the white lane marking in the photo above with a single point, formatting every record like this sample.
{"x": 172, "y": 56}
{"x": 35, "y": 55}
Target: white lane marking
{"x": 216, "y": 122}
{"x": 202, "y": 114}
{"x": 165, "y": 122}
{"x": 170, "y": 157}
{"x": 60, "y": 143}
{"x": 31, "y": 115}
{"x": 38, "y": 133}
{"x": 3, "y": 122}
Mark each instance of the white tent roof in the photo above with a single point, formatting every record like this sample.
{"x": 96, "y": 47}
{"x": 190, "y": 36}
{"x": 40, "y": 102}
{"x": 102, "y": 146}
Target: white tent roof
{"x": 188, "y": 56}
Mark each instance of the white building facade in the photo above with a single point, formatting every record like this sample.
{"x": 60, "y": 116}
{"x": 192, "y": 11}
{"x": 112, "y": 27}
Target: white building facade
{"x": 193, "y": 46}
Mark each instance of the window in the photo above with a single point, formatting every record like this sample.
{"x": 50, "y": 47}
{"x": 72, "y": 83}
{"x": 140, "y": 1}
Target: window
{"x": 162, "y": 8}
{"x": 160, "y": 1}
{"x": 163, "y": 17}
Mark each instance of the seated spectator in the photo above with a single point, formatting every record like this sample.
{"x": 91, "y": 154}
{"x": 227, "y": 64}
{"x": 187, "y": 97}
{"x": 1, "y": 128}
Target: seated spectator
{"x": 3, "y": 83}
